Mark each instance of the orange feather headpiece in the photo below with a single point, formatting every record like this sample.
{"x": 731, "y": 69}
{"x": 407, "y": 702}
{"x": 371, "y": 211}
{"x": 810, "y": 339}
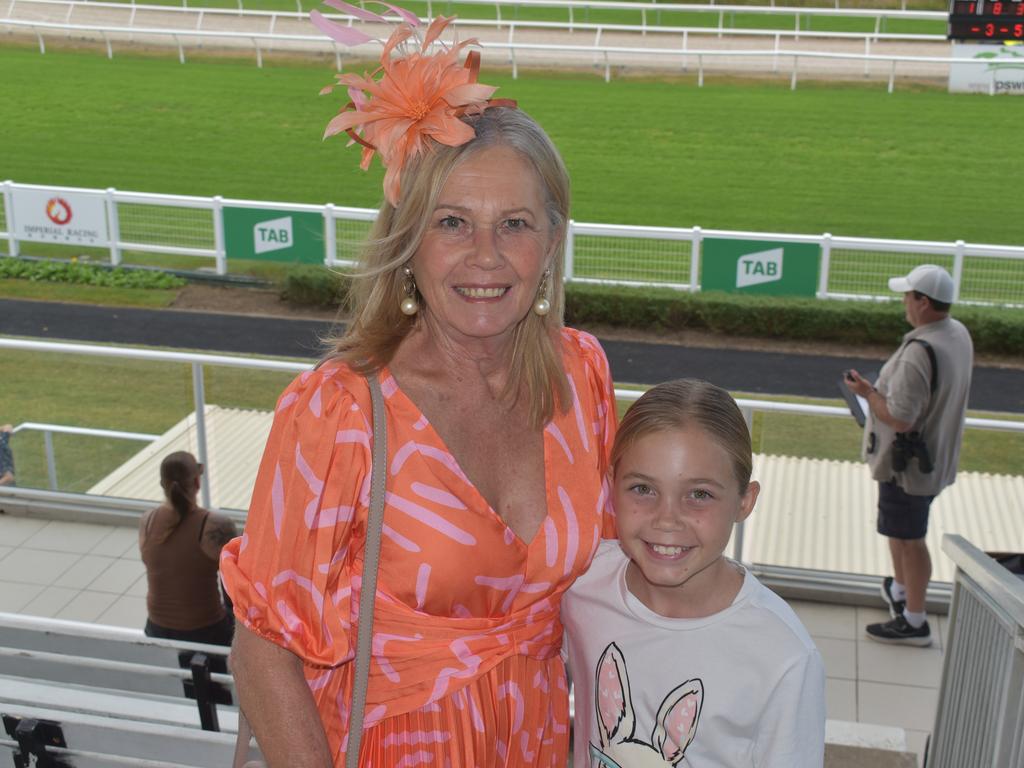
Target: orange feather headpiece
{"x": 418, "y": 97}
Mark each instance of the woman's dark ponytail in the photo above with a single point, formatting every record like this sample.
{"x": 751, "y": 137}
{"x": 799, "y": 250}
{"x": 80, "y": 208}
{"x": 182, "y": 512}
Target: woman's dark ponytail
{"x": 178, "y": 471}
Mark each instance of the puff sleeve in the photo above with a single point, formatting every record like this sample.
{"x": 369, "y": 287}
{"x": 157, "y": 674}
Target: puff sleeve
{"x": 289, "y": 574}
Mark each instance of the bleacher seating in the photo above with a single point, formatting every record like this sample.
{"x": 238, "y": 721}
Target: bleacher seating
{"x": 100, "y": 695}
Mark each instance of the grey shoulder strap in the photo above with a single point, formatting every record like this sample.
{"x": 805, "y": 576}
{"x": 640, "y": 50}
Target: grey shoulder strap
{"x": 368, "y": 586}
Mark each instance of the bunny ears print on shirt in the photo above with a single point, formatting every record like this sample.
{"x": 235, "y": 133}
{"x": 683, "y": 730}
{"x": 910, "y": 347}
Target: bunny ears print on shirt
{"x": 413, "y": 97}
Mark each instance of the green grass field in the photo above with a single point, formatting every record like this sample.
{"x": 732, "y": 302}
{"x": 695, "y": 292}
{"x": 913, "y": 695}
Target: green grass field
{"x": 845, "y": 159}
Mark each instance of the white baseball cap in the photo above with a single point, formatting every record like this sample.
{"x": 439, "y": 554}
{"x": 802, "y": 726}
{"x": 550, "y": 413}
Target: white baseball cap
{"x": 930, "y": 279}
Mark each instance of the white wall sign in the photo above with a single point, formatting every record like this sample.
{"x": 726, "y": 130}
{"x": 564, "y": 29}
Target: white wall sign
{"x": 999, "y": 69}
{"x": 46, "y": 216}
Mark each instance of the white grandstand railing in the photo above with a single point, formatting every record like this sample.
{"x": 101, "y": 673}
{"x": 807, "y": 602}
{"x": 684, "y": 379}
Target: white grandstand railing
{"x": 197, "y": 361}
{"x": 49, "y": 430}
{"x": 636, "y": 259}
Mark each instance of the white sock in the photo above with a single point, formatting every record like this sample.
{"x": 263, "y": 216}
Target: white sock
{"x": 916, "y": 620}
{"x": 899, "y": 591}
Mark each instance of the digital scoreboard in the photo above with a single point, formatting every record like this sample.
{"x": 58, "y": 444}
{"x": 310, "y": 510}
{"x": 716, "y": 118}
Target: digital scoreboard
{"x": 997, "y": 20}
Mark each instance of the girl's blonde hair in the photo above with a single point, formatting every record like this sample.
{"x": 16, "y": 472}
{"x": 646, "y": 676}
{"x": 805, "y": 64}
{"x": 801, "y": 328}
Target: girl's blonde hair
{"x": 689, "y": 403}
{"x": 377, "y": 326}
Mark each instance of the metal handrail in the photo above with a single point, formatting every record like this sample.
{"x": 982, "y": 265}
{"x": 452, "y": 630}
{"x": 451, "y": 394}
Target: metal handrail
{"x": 91, "y": 431}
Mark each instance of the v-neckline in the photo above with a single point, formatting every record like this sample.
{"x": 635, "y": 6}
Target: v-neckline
{"x": 421, "y": 418}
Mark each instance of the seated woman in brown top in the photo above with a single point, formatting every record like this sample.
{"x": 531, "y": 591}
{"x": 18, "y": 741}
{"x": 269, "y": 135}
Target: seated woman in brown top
{"x": 180, "y": 544}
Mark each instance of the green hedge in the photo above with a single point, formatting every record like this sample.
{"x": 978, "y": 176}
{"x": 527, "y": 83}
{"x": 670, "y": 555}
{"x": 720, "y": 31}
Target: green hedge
{"x": 995, "y": 330}
{"x": 314, "y": 286}
{"x": 86, "y": 274}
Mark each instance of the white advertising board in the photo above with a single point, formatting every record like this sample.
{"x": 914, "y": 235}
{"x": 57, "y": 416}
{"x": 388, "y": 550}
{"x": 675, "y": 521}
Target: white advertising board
{"x": 72, "y": 218}
{"x": 999, "y": 69}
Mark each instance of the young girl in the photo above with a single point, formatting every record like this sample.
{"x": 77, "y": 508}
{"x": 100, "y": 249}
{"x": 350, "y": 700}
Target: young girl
{"x": 675, "y": 650}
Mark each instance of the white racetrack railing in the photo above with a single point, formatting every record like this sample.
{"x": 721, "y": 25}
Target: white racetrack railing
{"x": 850, "y": 267}
{"x": 572, "y": 7}
{"x": 195, "y": 16}
{"x": 683, "y": 55}
{"x": 612, "y": 55}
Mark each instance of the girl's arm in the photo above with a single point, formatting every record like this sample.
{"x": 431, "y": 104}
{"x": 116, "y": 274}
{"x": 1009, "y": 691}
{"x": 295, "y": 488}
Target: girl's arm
{"x": 275, "y": 698}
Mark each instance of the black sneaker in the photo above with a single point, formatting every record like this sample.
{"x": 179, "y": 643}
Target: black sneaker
{"x": 895, "y": 606}
{"x": 899, "y": 632}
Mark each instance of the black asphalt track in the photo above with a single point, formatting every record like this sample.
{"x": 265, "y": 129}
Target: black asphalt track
{"x": 992, "y": 389}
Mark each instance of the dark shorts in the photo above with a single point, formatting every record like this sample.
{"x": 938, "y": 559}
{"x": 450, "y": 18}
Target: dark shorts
{"x": 215, "y": 634}
{"x": 902, "y": 515}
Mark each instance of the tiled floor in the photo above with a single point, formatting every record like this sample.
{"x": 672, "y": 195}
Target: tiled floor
{"x": 74, "y": 571}
{"x": 869, "y": 682}
{"x": 93, "y": 573}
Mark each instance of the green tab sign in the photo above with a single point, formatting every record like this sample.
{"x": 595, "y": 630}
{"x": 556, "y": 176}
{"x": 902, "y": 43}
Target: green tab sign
{"x": 770, "y": 267}
{"x": 270, "y": 234}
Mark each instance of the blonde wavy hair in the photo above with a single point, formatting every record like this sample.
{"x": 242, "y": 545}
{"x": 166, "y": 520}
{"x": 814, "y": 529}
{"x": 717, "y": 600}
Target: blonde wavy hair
{"x": 377, "y": 326}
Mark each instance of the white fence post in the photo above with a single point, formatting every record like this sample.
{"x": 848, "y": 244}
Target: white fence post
{"x": 113, "y": 228}
{"x": 330, "y": 236}
{"x": 570, "y": 248}
{"x": 218, "y": 236}
{"x": 695, "y": 260}
{"x": 199, "y": 398}
{"x": 958, "y": 269}
{"x": 51, "y": 462}
{"x": 12, "y": 240}
{"x": 826, "y": 262}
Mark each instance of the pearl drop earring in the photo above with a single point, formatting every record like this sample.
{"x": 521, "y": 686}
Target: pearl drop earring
{"x": 542, "y": 306}
{"x": 409, "y": 305}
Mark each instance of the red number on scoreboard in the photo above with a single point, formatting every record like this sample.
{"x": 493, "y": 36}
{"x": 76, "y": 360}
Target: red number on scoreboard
{"x": 990, "y": 29}
{"x": 973, "y": 7}
{"x": 997, "y": 9}
{"x": 1020, "y": 9}
{"x": 1018, "y": 31}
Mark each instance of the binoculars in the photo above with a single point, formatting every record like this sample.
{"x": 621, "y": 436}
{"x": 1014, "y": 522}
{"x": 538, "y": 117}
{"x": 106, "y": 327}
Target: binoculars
{"x": 908, "y": 446}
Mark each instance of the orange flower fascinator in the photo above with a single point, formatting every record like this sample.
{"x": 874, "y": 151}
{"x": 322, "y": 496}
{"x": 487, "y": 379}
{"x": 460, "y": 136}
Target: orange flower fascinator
{"x": 417, "y": 97}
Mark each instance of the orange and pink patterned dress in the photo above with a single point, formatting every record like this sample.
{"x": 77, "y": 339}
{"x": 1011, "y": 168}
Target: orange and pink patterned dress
{"x": 466, "y": 668}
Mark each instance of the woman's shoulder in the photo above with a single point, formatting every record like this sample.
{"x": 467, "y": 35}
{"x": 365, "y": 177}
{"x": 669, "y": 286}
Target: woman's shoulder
{"x": 330, "y": 389}
{"x": 580, "y": 348}
{"x": 575, "y": 340}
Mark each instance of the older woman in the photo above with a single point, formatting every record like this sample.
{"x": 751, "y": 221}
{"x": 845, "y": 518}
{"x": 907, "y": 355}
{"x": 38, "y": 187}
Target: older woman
{"x": 499, "y": 422}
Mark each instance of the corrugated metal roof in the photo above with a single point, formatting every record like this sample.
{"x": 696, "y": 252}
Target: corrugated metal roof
{"x": 234, "y": 441}
{"x": 812, "y": 513}
{"x": 821, "y": 515}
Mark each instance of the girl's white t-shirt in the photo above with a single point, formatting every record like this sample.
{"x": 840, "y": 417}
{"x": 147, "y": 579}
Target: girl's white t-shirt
{"x": 743, "y": 687}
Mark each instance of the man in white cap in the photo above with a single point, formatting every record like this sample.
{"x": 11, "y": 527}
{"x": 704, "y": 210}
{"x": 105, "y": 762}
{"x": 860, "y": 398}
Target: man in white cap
{"x": 912, "y": 440}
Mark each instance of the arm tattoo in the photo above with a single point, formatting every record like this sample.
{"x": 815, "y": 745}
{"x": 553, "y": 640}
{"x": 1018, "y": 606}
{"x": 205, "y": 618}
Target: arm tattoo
{"x": 220, "y": 532}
